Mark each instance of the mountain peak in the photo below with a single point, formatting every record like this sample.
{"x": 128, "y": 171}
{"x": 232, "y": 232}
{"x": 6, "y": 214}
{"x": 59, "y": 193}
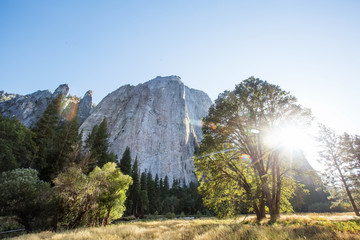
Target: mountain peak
{"x": 63, "y": 89}
{"x": 159, "y": 120}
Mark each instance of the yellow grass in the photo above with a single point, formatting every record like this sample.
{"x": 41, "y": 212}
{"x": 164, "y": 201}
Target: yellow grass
{"x": 292, "y": 226}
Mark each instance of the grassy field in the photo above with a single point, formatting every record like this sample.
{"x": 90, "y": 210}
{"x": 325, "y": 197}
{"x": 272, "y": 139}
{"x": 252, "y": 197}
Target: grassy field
{"x": 295, "y": 226}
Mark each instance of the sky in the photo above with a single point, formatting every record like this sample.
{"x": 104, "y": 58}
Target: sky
{"x": 309, "y": 48}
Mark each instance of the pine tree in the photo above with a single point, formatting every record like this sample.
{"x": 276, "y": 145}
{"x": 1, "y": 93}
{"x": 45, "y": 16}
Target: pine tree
{"x": 161, "y": 184}
{"x": 135, "y": 190}
{"x": 151, "y": 192}
{"x": 45, "y": 131}
{"x": 101, "y": 144}
{"x": 156, "y": 200}
{"x": 185, "y": 199}
{"x": 89, "y": 142}
{"x": 126, "y": 169}
{"x": 17, "y": 146}
{"x": 166, "y": 186}
{"x": 66, "y": 141}
{"x": 144, "y": 199}
{"x": 97, "y": 144}
{"x": 125, "y": 162}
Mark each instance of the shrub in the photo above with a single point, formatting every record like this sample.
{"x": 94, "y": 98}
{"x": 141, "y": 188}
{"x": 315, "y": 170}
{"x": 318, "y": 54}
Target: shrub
{"x": 170, "y": 215}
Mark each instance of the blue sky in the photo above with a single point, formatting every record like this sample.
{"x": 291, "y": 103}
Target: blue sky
{"x": 310, "y": 48}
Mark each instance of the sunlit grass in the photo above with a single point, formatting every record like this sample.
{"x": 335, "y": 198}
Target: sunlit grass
{"x": 292, "y": 226}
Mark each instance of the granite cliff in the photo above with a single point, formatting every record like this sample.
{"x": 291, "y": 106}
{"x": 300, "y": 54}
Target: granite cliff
{"x": 160, "y": 121}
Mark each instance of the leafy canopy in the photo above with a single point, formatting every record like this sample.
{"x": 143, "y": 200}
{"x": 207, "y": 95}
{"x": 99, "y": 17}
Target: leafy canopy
{"x": 237, "y": 169}
{"x": 17, "y": 145}
{"x": 22, "y": 194}
{"x": 94, "y": 199}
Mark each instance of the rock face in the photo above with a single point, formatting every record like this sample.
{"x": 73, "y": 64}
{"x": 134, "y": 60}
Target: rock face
{"x": 28, "y": 109}
{"x": 160, "y": 121}
{"x": 85, "y": 106}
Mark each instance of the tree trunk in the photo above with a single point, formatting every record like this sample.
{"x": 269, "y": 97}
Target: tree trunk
{"x": 107, "y": 216}
{"x": 356, "y": 210}
{"x": 82, "y": 213}
{"x": 25, "y": 221}
{"x": 257, "y": 212}
{"x": 262, "y": 206}
{"x": 278, "y": 191}
{"x": 274, "y": 203}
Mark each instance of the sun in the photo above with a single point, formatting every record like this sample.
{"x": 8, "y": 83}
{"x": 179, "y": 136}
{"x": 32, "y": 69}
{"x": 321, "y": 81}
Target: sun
{"x": 289, "y": 137}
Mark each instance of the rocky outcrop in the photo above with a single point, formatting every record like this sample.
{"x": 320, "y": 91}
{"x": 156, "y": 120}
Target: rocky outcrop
{"x": 159, "y": 120}
{"x": 85, "y": 106}
{"x": 28, "y": 109}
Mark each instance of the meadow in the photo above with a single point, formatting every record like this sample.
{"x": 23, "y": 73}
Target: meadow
{"x": 290, "y": 226}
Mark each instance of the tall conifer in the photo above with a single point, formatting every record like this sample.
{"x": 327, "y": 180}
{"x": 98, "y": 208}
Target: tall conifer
{"x": 45, "y": 131}
{"x": 135, "y": 189}
{"x": 125, "y": 162}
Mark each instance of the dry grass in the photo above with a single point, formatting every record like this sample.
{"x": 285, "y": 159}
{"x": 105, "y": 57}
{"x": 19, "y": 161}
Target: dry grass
{"x": 295, "y": 226}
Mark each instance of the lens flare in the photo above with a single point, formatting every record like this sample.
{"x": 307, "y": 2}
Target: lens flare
{"x": 196, "y": 122}
{"x": 212, "y": 125}
{"x": 245, "y": 157}
{"x": 288, "y": 137}
{"x": 70, "y": 111}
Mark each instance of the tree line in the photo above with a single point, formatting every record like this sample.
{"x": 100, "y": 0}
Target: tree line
{"x": 150, "y": 195}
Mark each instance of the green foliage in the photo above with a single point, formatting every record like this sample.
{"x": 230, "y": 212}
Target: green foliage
{"x": 66, "y": 150}
{"x": 97, "y": 144}
{"x": 17, "y": 146}
{"x": 112, "y": 185}
{"x": 59, "y": 142}
{"x": 339, "y": 156}
{"x": 165, "y": 188}
{"x": 151, "y": 193}
{"x": 226, "y": 196}
{"x": 170, "y": 215}
{"x": 68, "y": 141}
{"x": 96, "y": 199}
{"x": 135, "y": 191}
{"x": 125, "y": 162}
{"x": 23, "y": 195}
{"x": 144, "y": 198}
{"x": 236, "y": 168}
{"x": 156, "y": 199}
{"x": 45, "y": 131}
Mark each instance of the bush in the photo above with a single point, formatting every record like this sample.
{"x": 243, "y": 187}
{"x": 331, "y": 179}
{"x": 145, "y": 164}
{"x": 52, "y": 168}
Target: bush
{"x": 319, "y": 207}
{"x": 170, "y": 215}
{"x": 23, "y": 195}
{"x": 96, "y": 199}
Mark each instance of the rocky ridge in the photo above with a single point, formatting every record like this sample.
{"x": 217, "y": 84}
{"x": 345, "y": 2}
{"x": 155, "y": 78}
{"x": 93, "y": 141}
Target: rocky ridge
{"x": 29, "y": 108}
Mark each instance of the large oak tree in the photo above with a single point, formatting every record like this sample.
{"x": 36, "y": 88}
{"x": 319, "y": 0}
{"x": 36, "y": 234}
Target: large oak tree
{"x": 235, "y": 166}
